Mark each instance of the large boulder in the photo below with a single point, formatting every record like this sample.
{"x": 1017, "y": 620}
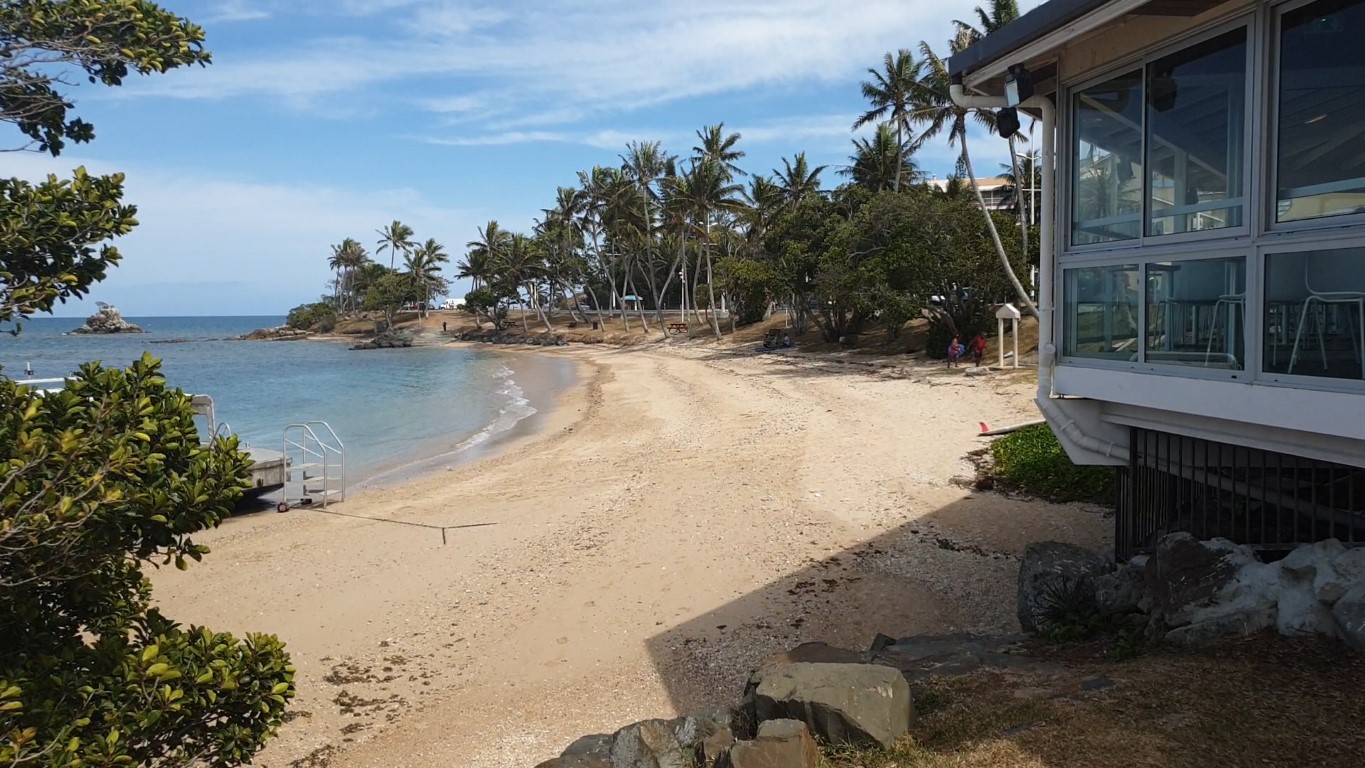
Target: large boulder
{"x": 858, "y": 704}
{"x": 707, "y": 737}
{"x": 1199, "y": 591}
{"x": 278, "y": 333}
{"x": 107, "y": 320}
{"x": 780, "y": 744}
{"x": 1120, "y": 593}
{"x": 650, "y": 744}
{"x": 1049, "y": 567}
{"x": 1349, "y": 617}
{"x": 1304, "y": 574}
{"x": 1347, "y": 570}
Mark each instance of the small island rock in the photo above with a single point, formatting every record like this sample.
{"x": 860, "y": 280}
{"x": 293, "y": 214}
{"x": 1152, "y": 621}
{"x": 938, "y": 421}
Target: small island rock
{"x": 107, "y": 320}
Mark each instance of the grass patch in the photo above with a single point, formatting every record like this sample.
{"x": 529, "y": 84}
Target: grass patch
{"x": 1262, "y": 701}
{"x": 1031, "y": 461}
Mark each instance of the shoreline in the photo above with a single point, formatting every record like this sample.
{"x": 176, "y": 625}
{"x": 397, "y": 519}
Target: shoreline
{"x": 545, "y": 387}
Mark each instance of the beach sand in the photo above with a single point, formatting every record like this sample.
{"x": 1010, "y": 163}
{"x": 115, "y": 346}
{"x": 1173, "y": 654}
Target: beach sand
{"x": 682, "y": 515}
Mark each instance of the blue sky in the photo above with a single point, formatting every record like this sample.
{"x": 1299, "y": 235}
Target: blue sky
{"x": 326, "y": 119}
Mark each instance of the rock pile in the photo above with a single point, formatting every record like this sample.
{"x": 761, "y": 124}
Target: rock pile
{"x": 107, "y": 320}
{"x": 387, "y": 340}
{"x": 1193, "y": 592}
{"x": 785, "y": 710}
{"x": 279, "y": 333}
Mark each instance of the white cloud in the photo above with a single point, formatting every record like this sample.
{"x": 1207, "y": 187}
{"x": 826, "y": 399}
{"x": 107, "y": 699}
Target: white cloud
{"x": 235, "y": 10}
{"x": 208, "y": 235}
{"x": 570, "y": 57}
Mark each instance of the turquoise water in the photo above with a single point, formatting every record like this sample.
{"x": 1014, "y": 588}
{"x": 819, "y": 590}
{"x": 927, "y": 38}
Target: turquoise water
{"x": 392, "y": 408}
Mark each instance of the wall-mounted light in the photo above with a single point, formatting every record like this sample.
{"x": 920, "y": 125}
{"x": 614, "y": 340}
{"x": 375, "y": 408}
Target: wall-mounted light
{"x": 1007, "y": 122}
{"x": 1018, "y": 85}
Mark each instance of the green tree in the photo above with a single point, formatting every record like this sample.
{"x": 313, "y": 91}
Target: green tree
{"x": 878, "y": 162}
{"x": 108, "y": 477}
{"x": 388, "y": 293}
{"x": 424, "y": 265}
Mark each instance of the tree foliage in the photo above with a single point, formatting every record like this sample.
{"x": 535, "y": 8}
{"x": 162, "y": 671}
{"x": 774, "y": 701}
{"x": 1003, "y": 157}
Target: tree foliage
{"x": 96, "y": 482}
{"x": 107, "y": 477}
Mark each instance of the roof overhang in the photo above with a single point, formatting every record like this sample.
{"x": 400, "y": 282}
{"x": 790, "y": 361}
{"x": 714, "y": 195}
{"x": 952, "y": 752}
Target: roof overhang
{"x": 1035, "y": 37}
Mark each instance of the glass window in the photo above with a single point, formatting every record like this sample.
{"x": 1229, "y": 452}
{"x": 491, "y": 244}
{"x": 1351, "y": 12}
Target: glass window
{"x": 1195, "y": 127}
{"x": 1196, "y": 313}
{"x": 1315, "y": 313}
{"x": 1102, "y": 305}
{"x": 1107, "y": 163}
{"x": 1320, "y": 168}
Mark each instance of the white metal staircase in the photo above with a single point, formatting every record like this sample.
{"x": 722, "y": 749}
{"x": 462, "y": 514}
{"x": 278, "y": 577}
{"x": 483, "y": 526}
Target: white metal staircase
{"x": 315, "y": 464}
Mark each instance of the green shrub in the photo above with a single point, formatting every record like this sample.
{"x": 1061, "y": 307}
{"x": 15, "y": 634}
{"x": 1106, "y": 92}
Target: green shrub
{"x": 312, "y": 317}
{"x": 1032, "y": 461}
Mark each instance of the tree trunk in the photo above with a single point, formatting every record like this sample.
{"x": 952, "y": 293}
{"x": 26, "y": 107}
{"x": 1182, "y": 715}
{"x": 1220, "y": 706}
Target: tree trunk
{"x": 995, "y": 235}
{"x": 639, "y": 305}
{"x": 696, "y": 281}
{"x": 1019, "y": 200}
{"x": 900, "y": 153}
{"x": 711, "y": 296}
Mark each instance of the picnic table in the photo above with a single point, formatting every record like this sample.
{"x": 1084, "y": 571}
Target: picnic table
{"x": 677, "y": 327}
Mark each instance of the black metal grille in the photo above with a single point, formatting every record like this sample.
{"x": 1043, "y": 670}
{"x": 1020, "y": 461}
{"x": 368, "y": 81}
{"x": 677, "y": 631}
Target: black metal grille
{"x": 1271, "y": 501}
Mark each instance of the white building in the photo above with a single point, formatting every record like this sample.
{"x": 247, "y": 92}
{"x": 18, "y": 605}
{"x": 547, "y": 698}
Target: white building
{"x": 1203, "y": 278}
{"x": 995, "y": 191}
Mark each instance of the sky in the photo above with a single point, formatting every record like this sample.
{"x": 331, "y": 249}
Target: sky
{"x": 325, "y": 119}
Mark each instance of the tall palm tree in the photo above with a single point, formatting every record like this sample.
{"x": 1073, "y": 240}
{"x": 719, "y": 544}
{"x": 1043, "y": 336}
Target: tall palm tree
{"x": 424, "y": 264}
{"x": 711, "y": 191}
{"x": 645, "y": 163}
{"x": 395, "y": 238}
{"x": 797, "y": 179}
{"x": 480, "y": 262}
{"x": 877, "y": 163}
{"x": 892, "y": 92}
{"x": 347, "y": 258}
{"x": 935, "y": 110}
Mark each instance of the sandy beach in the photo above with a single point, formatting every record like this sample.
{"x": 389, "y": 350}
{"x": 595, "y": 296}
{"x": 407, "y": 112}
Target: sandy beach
{"x": 680, "y": 516}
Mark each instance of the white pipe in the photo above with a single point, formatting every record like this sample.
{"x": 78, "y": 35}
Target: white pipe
{"x": 1047, "y": 349}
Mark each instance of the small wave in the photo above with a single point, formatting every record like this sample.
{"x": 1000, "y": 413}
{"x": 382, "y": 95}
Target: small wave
{"x": 516, "y": 409}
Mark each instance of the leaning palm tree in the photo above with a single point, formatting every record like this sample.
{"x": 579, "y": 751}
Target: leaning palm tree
{"x": 937, "y": 113}
{"x": 891, "y": 93}
{"x": 395, "y": 238}
{"x": 347, "y": 258}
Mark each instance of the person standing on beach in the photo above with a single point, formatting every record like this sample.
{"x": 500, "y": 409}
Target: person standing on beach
{"x": 978, "y": 348}
{"x": 954, "y": 352}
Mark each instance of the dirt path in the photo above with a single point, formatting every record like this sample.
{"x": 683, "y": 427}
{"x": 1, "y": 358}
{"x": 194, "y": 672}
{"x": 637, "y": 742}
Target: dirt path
{"x": 684, "y": 515}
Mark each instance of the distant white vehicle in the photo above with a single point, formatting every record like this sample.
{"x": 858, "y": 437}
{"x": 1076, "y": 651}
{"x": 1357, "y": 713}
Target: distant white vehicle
{"x": 452, "y": 304}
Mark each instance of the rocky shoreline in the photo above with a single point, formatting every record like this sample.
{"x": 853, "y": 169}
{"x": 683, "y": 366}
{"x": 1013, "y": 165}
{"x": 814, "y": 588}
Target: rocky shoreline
{"x": 278, "y": 333}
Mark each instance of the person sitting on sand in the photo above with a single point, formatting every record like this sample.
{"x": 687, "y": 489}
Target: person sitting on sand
{"x": 786, "y": 340}
{"x": 955, "y": 351}
{"x": 978, "y": 349}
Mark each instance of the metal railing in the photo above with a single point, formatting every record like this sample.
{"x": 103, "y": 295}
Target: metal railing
{"x": 315, "y": 462}
{"x": 1270, "y": 501}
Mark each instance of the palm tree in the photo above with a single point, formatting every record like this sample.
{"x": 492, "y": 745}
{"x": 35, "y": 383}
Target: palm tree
{"x": 347, "y": 258}
{"x": 719, "y": 147}
{"x": 797, "y": 179}
{"x": 710, "y": 191}
{"x": 892, "y": 93}
{"x": 394, "y": 238}
{"x": 644, "y": 164}
{"x": 935, "y": 110}
{"x": 424, "y": 264}
{"x": 877, "y": 163}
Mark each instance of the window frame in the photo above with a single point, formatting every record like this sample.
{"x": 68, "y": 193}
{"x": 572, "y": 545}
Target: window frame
{"x": 1271, "y": 39}
{"x": 1249, "y": 19}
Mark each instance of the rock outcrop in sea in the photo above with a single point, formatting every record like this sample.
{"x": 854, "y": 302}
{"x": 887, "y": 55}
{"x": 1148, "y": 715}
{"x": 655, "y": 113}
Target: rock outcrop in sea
{"x": 107, "y": 320}
{"x": 278, "y": 333}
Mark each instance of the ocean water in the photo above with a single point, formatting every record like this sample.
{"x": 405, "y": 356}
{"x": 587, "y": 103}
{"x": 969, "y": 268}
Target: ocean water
{"x": 392, "y": 408}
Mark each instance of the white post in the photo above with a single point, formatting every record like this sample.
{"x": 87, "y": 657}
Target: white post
{"x": 1014, "y": 331}
{"x": 1000, "y": 333}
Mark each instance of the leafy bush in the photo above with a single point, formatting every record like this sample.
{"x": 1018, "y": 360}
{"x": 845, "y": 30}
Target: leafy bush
{"x": 97, "y": 483}
{"x": 312, "y": 317}
{"x": 1032, "y": 461}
